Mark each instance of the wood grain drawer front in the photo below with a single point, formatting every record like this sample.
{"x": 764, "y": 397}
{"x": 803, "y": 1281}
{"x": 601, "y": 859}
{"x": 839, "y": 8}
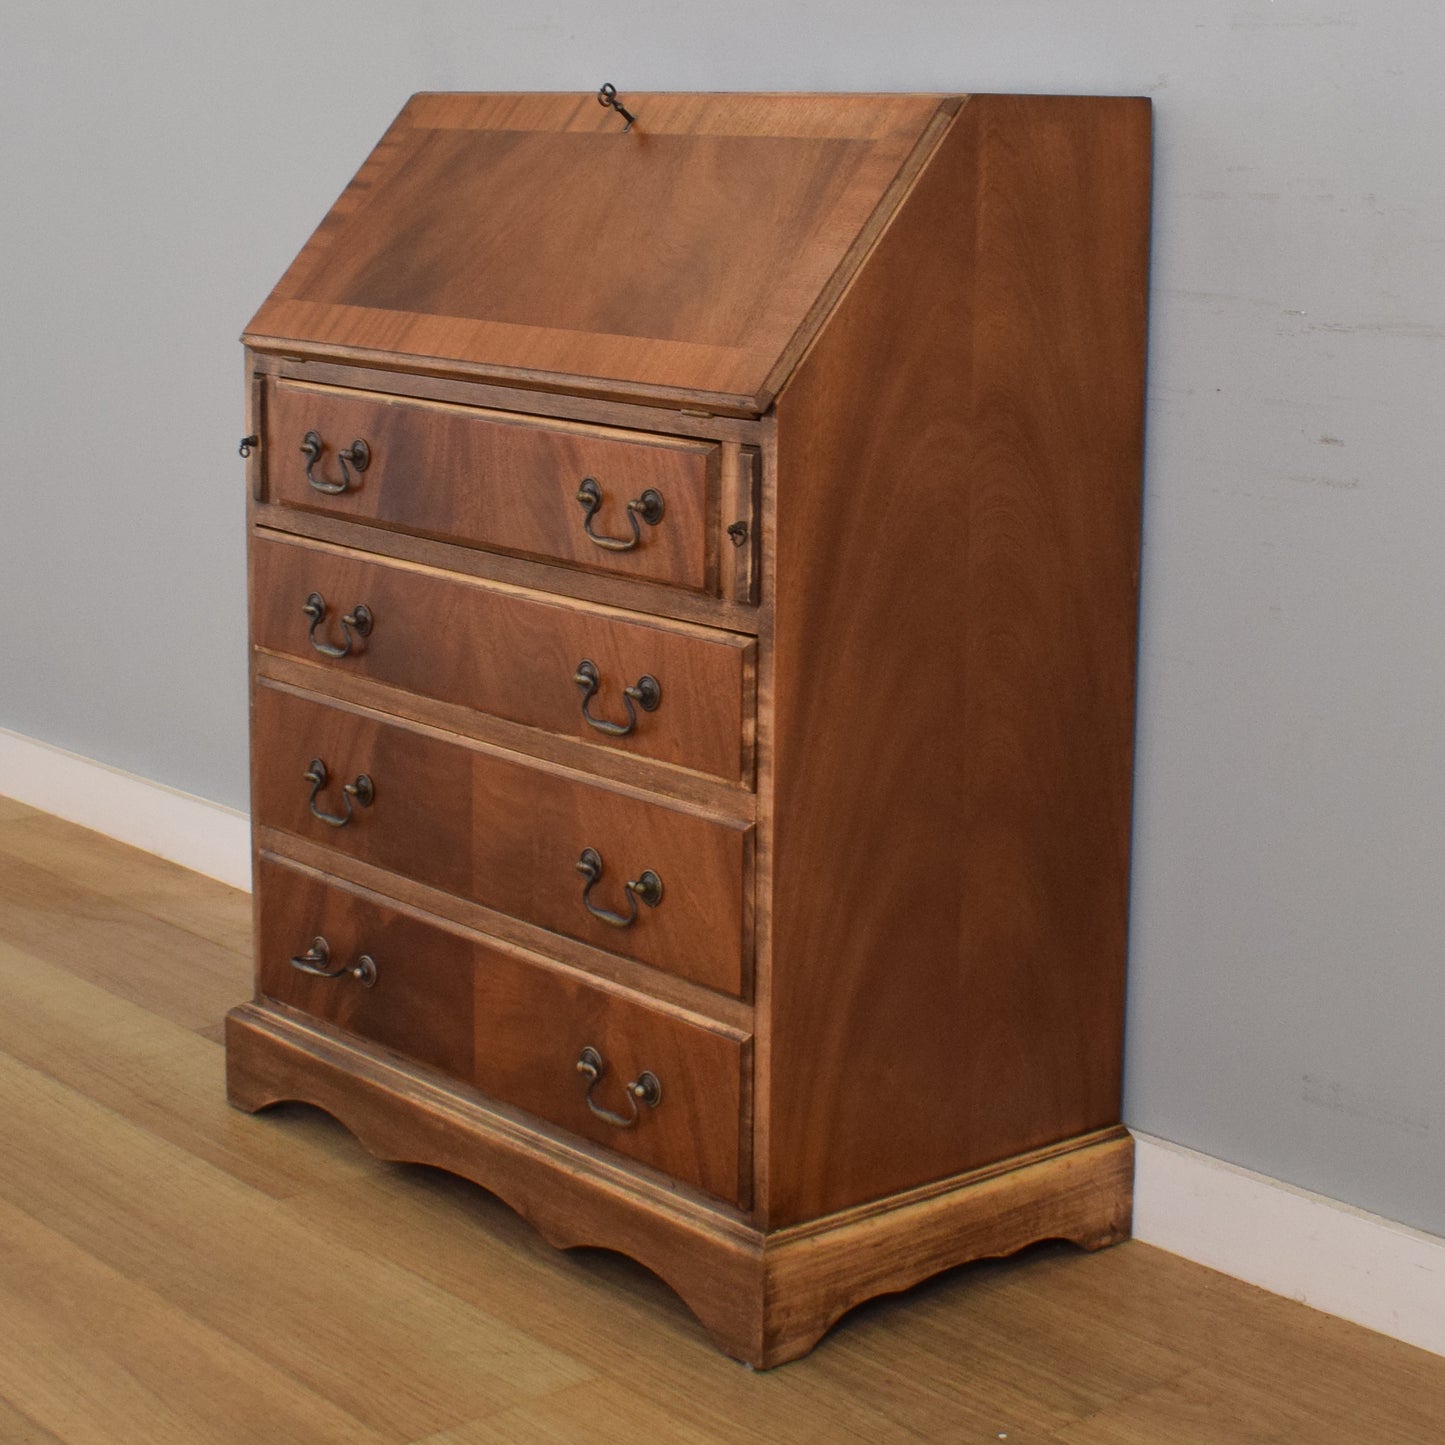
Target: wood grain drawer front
{"x": 509, "y": 1024}
{"x": 512, "y": 655}
{"x": 507, "y": 834}
{"x": 500, "y": 482}
{"x": 416, "y": 993}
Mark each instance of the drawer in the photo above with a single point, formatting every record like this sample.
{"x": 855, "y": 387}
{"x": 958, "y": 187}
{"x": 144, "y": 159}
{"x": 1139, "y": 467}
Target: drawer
{"x": 508, "y": 1023}
{"x": 513, "y": 654}
{"x": 499, "y": 481}
{"x": 508, "y": 834}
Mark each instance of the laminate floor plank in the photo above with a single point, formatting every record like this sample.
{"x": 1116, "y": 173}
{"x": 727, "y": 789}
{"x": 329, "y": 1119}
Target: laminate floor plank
{"x": 17, "y": 1428}
{"x": 305, "y": 1296}
{"x": 14, "y": 811}
{"x": 627, "y": 1325}
{"x": 1324, "y": 1369}
{"x": 608, "y": 1412}
{"x": 163, "y": 1078}
{"x": 964, "y": 1353}
{"x": 1031, "y": 1369}
{"x": 132, "y": 954}
{"x": 1200, "y": 1408}
{"x": 93, "y": 1357}
{"x": 171, "y": 1269}
{"x": 468, "y": 1242}
{"x": 211, "y": 910}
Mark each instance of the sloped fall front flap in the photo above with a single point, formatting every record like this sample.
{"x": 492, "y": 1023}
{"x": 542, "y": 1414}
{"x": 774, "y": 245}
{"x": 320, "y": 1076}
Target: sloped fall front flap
{"x": 530, "y": 238}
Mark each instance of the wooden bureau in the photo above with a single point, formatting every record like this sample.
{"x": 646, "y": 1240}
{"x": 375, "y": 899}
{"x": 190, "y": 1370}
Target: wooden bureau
{"x": 694, "y": 573}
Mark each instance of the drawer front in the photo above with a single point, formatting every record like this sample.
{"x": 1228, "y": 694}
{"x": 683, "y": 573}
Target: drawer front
{"x": 508, "y": 834}
{"x": 510, "y": 1025}
{"x": 417, "y": 993}
{"x": 511, "y": 654}
{"x": 504, "y": 483}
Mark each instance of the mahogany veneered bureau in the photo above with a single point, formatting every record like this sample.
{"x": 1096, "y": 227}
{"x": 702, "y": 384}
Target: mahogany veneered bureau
{"x": 693, "y": 574}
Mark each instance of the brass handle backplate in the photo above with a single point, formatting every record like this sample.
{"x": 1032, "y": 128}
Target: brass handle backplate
{"x": 358, "y": 454}
{"x": 361, "y": 791}
{"x": 359, "y": 620}
{"x": 646, "y": 1088}
{"x": 649, "y": 506}
{"x": 645, "y": 692}
{"x": 317, "y": 962}
{"x": 647, "y": 888}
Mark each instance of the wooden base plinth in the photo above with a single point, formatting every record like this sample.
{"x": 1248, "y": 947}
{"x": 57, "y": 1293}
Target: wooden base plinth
{"x": 765, "y": 1298}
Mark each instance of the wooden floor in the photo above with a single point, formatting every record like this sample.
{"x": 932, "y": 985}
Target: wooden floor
{"x": 172, "y": 1270}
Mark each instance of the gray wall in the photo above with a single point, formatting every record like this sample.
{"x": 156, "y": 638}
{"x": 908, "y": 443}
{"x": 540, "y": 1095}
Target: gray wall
{"x": 162, "y": 162}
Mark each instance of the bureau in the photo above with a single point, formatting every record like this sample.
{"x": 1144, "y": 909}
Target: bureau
{"x": 693, "y": 587}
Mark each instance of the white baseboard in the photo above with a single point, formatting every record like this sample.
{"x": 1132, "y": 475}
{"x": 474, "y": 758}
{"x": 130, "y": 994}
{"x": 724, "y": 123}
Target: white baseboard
{"x": 191, "y": 831}
{"x": 1337, "y": 1259}
{"x": 1325, "y": 1254}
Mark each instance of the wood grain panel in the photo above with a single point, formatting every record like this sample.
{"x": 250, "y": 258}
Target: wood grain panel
{"x": 510, "y": 654}
{"x": 1082, "y": 1191}
{"x": 492, "y": 828}
{"x": 510, "y": 1024}
{"x": 681, "y": 258}
{"x": 678, "y": 994}
{"x": 953, "y": 666}
{"x": 621, "y": 592}
{"x": 421, "y": 1001}
{"x": 501, "y": 482}
{"x": 533, "y": 1023}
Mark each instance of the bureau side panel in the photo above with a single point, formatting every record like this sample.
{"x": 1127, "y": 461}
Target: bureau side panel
{"x": 957, "y": 527}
